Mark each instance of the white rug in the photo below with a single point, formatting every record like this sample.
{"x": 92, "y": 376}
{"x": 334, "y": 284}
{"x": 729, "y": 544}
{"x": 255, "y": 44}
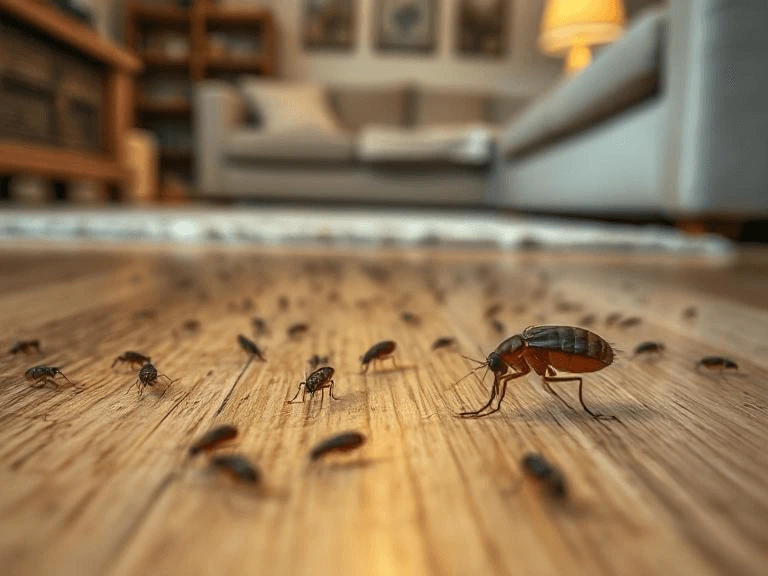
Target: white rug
{"x": 345, "y": 226}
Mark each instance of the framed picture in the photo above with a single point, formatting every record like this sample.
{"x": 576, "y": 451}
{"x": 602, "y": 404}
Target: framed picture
{"x": 482, "y": 27}
{"x": 406, "y": 25}
{"x": 328, "y": 24}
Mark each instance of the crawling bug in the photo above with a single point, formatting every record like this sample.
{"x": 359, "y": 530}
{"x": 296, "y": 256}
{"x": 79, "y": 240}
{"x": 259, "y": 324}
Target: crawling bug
{"x": 498, "y": 326}
{"x": 612, "y": 318}
{"x": 25, "y": 346}
{"x": 237, "y": 466}
{"x": 443, "y": 342}
{"x": 587, "y": 320}
{"x": 343, "y": 442}
{"x": 545, "y": 349}
{"x": 212, "y": 439}
{"x": 259, "y": 326}
{"x": 377, "y": 352}
{"x": 630, "y": 322}
{"x": 132, "y": 358}
{"x": 250, "y": 346}
{"x": 410, "y": 318}
{"x": 717, "y": 363}
{"x": 283, "y": 303}
{"x": 564, "y": 306}
{"x": 493, "y": 309}
{"x": 538, "y": 467}
{"x": 690, "y": 313}
{"x": 191, "y": 325}
{"x": 315, "y": 360}
{"x": 42, "y": 375}
{"x": 148, "y": 376}
{"x": 296, "y": 330}
{"x": 649, "y": 348}
{"x": 320, "y": 379}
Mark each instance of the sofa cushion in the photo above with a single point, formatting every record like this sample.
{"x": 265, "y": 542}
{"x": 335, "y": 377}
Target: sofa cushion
{"x": 450, "y": 107}
{"x": 468, "y": 144}
{"x": 620, "y": 76}
{"x": 299, "y": 144}
{"x": 283, "y": 104}
{"x": 356, "y": 107}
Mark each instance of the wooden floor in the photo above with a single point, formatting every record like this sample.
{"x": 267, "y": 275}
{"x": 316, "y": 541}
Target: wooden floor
{"x": 96, "y": 480}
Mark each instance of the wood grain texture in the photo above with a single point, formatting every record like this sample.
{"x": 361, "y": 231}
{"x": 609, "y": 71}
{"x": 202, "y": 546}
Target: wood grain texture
{"x": 96, "y": 480}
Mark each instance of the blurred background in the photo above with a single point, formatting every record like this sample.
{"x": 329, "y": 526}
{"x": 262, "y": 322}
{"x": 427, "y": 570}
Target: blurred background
{"x": 481, "y": 117}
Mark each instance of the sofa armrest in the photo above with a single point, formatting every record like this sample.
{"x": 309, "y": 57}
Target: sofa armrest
{"x": 716, "y": 154}
{"x": 218, "y": 110}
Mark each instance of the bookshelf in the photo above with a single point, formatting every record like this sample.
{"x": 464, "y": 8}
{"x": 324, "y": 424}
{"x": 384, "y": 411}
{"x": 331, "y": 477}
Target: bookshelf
{"x": 180, "y": 46}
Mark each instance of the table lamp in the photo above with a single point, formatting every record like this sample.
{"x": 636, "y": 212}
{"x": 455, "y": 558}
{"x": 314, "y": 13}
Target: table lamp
{"x": 570, "y": 27}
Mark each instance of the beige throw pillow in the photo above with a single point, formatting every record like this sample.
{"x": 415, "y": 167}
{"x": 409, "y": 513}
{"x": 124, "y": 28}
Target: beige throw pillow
{"x": 285, "y": 105}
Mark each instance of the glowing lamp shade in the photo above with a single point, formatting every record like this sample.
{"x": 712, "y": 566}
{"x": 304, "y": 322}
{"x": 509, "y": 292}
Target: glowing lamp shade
{"x": 570, "y": 27}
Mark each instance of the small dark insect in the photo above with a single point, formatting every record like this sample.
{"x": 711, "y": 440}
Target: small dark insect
{"x": 250, "y": 347}
{"x": 259, "y": 326}
{"x": 283, "y": 303}
{"x": 587, "y": 320}
{"x": 296, "y": 330}
{"x": 690, "y": 313}
{"x": 498, "y": 326}
{"x": 544, "y": 349}
{"x": 236, "y": 466}
{"x": 320, "y": 379}
{"x": 42, "y": 375}
{"x": 25, "y": 346}
{"x": 343, "y": 442}
{"x": 333, "y": 296}
{"x": 493, "y": 309}
{"x": 539, "y": 468}
{"x": 443, "y": 342}
{"x": 649, "y": 348}
{"x": 410, "y": 318}
{"x": 717, "y": 363}
{"x": 612, "y": 318}
{"x": 378, "y": 352}
{"x": 630, "y": 322}
{"x": 315, "y": 360}
{"x": 132, "y": 358}
{"x": 247, "y": 304}
{"x": 564, "y": 306}
{"x": 146, "y": 314}
{"x": 212, "y": 439}
{"x": 148, "y": 376}
{"x": 191, "y": 325}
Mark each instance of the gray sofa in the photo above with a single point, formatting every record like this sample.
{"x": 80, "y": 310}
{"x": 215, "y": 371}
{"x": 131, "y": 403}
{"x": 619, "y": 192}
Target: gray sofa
{"x": 671, "y": 119}
{"x": 393, "y": 144}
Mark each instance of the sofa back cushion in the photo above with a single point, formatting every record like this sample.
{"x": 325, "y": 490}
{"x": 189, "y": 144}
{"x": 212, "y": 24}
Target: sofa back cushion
{"x": 356, "y": 107}
{"x": 285, "y": 105}
{"x": 446, "y": 106}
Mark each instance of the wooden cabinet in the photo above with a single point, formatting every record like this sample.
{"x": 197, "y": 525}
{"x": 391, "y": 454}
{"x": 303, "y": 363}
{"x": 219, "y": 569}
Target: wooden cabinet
{"x": 65, "y": 97}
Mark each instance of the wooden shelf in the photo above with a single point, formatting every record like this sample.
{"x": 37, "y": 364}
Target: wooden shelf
{"x": 161, "y": 14}
{"x": 240, "y": 64}
{"x": 220, "y": 15}
{"x": 160, "y": 107}
{"x": 162, "y": 61}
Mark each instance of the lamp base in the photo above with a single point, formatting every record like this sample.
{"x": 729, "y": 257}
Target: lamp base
{"x": 578, "y": 58}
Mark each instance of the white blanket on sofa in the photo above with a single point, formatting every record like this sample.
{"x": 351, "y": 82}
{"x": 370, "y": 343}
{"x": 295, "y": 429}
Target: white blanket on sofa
{"x": 462, "y": 144}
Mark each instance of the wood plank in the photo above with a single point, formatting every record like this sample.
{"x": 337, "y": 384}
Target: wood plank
{"x": 97, "y": 480}
{"x": 69, "y": 31}
{"x": 59, "y": 163}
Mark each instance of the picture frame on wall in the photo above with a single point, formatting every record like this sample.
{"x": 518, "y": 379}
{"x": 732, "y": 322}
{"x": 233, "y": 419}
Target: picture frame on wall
{"x": 481, "y": 27}
{"x": 328, "y": 24}
{"x": 406, "y": 25}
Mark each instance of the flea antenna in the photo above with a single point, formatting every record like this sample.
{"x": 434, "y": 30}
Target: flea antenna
{"x": 473, "y": 360}
{"x": 484, "y": 364}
